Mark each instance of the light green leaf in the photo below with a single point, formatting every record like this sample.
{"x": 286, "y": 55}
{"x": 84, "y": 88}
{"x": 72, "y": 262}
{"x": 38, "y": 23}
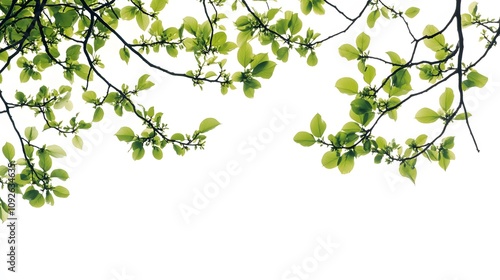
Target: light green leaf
{"x": 446, "y": 99}
{"x": 348, "y": 51}
{"x": 59, "y": 173}
{"x": 49, "y": 199}
{"x": 312, "y": 59}
{"x": 190, "y": 25}
{"x": 426, "y": 115}
{"x": 245, "y": 54}
{"x": 142, "y": 20}
{"x": 369, "y": 74}
{"x": 89, "y": 96}
{"x": 317, "y": 125}
{"x": 55, "y": 151}
{"x": 412, "y": 12}
{"x": 31, "y": 133}
{"x": 477, "y": 79}
{"x": 98, "y": 114}
{"x": 408, "y": 171}
{"x": 125, "y": 54}
{"x": 372, "y": 18}
{"x": 437, "y": 42}
{"x": 346, "y": 162}
{"x": 305, "y": 139}
{"x": 158, "y": 5}
{"x": 461, "y": 116}
{"x": 138, "y": 151}
{"x": 77, "y": 142}
{"x": 208, "y": 124}
{"x": 60, "y": 191}
{"x": 125, "y": 134}
{"x": 143, "y": 83}
{"x": 360, "y": 106}
{"x": 363, "y": 41}
{"x": 448, "y": 142}
{"x": 44, "y": 161}
{"x": 330, "y": 159}
{"x": 395, "y": 58}
{"x": 128, "y": 12}
{"x": 264, "y": 69}
{"x": 8, "y": 151}
{"x": 157, "y": 153}
{"x": 347, "y": 85}
{"x": 38, "y": 201}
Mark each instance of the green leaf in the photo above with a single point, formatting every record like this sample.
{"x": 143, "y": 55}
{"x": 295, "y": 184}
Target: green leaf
{"x": 363, "y": 41}
{"x": 318, "y": 126}
{"x": 55, "y": 151}
{"x": 60, "y": 191}
{"x": 49, "y": 199}
{"x": 412, "y": 12}
{"x": 77, "y": 142}
{"x": 3, "y": 170}
{"x": 190, "y": 25}
{"x": 372, "y": 18}
{"x": 348, "y": 51}
{"x": 330, "y": 159}
{"x": 312, "y": 59}
{"x": 446, "y": 99}
{"x": 179, "y": 150}
{"x": 305, "y": 139}
{"x": 98, "y": 114}
{"x": 8, "y": 151}
{"x": 138, "y": 151}
{"x": 142, "y": 20}
{"x": 143, "y": 83}
{"x": 351, "y": 127}
{"x": 83, "y": 71}
{"x": 178, "y": 137}
{"x": 30, "y": 194}
{"x": 346, "y": 162}
{"x": 24, "y": 76}
{"x": 128, "y": 12}
{"x": 125, "y": 54}
{"x": 448, "y": 142}
{"x": 38, "y": 201}
{"x": 245, "y": 54}
{"x": 158, "y": 5}
{"x": 473, "y": 8}
{"x": 443, "y": 161}
{"x": 125, "y": 134}
{"x": 461, "y": 116}
{"x": 360, "y": 106}
{"x": 395, "y": 58}
{"x": 264, "y": 69}
{"x": 369, "y": 74}
{"x": 73, "y": 52}
{"x": 426, "y": 115}
{"x": 347, "y": 85}
{"x": 208, "y": 124}
{"x": 408, "y": 171}
{"x": 437, "y": 42}
{"x": 31, "y": 133}
{"x": 44, "y": 160}
{"x": 89, "y": 96}
{"x": 466, "y": 20}
{"x": 59, "y": 173}
{"x": 477, "y": 79}
{"x": 157, "y": 153}
{"x": 421, "y": 139}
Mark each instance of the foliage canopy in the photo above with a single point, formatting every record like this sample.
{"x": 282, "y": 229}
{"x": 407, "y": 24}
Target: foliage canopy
{"x": 50, "y": 38}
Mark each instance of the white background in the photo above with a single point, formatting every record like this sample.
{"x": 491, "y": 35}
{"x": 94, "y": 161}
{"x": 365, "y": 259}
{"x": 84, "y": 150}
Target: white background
{"x": 123, "y": 219}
